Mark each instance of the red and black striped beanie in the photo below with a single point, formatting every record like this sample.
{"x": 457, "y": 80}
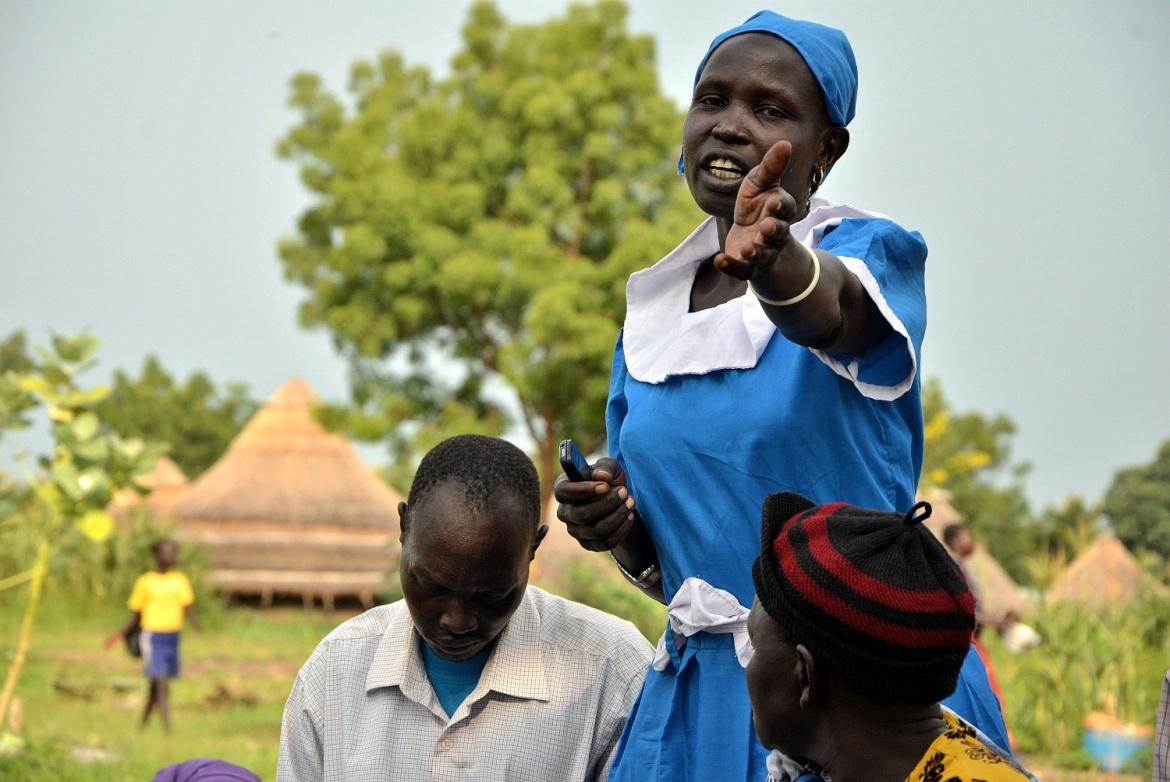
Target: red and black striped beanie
{"x": 872, "y": 594}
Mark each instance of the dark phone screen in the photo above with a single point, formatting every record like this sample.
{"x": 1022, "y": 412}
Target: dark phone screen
{"x": 573, "y": 462}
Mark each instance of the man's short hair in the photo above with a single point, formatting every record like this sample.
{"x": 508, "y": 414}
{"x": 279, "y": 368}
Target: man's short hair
{"x": 480, "y": 466}
{"x": 951, "y": 533}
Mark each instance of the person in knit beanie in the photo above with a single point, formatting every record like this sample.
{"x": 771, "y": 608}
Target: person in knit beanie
{"x": 860, "y": 626}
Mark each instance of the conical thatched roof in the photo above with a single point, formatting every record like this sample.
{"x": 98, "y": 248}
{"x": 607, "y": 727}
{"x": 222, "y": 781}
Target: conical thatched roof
{"x": 1104, "y": 573}
{"x": 285, "y": 468}
{"x": 165, "y": 474}
{"x": 998, "y": 592}
{"x": 167, "y": 485}
{"x": 291, "y": 508}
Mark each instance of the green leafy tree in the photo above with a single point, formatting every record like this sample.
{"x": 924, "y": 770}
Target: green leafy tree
{"x": 1072, "y": 525}
{"x": 14, "y": 354}
{"x": 1137, "y": 505}
{"x": 14, "y": 401}
{"x": 969, "y": 455}
{"x": 469, "y": 238}
{"x": 74, "y": 483}
{"x": 195, "y": 418}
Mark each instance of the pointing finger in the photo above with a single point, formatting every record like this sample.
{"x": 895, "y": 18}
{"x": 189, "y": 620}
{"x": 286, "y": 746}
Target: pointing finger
{"x": 767, "y": 174}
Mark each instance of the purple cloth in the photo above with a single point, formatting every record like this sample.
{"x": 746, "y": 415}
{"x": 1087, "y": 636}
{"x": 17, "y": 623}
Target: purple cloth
{"x": 205, "y": 770}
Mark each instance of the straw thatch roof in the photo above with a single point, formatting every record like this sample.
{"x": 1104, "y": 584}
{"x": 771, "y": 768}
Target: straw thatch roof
{"x": 1103, "y": 574}
{"x": 167, "y": 485}
{"x": 284, "y": 467}
{"x": 998, "y": 592}
{"x": 292, "y": 508}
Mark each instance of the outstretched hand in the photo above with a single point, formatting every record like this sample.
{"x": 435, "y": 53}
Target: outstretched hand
{"x": 763, "y": 210}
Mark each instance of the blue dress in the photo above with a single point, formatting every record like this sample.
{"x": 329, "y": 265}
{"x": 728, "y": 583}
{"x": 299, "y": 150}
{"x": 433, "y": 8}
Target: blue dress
{"x": 703, "y": 444}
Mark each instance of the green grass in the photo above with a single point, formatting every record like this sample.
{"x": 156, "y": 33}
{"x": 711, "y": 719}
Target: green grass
{"x": 78, "y": 698}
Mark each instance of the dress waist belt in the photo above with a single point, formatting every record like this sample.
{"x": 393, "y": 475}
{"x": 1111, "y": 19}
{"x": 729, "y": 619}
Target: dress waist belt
{"x": 698, "y": 607}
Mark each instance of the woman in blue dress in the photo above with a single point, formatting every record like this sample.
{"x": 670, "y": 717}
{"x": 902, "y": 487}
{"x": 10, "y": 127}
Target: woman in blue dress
{"x": 775, "y": 349}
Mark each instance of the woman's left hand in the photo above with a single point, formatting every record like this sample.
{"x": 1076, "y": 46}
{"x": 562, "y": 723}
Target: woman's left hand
{"x": 763, "y": 210}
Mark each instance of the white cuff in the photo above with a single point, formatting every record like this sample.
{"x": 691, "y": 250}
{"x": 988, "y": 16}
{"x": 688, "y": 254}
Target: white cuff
{"x": 850, "y": 371}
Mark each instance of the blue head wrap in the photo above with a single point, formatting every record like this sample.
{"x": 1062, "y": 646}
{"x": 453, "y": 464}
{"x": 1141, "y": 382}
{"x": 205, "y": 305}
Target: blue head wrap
{"x": 825, "y": 50}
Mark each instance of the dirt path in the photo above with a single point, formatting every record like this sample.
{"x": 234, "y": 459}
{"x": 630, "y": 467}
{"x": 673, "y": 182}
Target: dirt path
{"x": 274, "y": 668}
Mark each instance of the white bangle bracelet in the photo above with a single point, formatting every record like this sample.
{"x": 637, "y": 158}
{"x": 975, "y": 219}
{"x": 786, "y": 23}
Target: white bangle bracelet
{"x": 804, "y": 294}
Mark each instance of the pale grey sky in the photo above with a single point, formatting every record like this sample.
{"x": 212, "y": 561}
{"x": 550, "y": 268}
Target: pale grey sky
{"x": 140, "y": 196}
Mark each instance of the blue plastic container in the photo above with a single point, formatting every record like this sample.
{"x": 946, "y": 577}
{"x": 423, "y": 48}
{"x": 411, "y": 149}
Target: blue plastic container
{"x": 1114, "y": 749}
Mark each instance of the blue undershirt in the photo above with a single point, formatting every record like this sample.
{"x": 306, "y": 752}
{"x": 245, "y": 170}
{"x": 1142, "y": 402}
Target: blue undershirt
{"x": 453, "y": 680}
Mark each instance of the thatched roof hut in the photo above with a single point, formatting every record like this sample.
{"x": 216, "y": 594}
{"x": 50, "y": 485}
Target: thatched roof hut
{"x": 1105, "y": 573}
{"x": 291, "y": 508}
{"x": 167, "y": 485}
{"x": 998, "y": 592}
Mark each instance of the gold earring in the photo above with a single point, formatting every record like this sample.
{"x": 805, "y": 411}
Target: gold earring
{"x": 818, "y": 176}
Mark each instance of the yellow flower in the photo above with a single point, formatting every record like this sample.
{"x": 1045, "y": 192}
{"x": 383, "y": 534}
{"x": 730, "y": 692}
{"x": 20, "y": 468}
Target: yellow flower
{"x": 936, "y": 426}
{"x": 969, "y": 461}
{"x": 978, "y": 460}
{"x": 61, "y": 414}
{"x": 96, "y": 525}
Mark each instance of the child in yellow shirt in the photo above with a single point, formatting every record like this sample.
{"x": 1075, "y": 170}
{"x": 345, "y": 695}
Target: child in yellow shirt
{"x": 160, "y": 600}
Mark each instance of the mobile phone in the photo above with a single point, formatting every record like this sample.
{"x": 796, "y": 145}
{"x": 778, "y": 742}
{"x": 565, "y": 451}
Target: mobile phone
{"x": 573, "y": 462}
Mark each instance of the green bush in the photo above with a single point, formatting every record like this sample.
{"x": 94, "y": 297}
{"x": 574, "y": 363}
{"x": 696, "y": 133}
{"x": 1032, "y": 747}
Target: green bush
{"x": 1111, "y": 661}
{"x": 586, "y": 582}
{"x": 82, "y": 572}
{"x": 18, "y": 541}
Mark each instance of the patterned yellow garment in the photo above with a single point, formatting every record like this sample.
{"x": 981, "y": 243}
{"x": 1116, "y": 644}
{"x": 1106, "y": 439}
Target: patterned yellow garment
{"x": 958, "y": 755}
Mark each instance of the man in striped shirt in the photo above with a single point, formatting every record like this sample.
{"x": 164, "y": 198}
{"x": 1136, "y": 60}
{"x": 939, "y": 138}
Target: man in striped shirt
{"x": 474, "y": 674}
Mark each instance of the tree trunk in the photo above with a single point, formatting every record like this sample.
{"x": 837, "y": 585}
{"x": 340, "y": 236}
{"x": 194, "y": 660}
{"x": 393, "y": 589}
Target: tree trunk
{"x": 548, "y": 466}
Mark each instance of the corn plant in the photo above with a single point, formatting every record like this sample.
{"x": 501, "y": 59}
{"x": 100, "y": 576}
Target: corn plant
{"x": 1111, "y": 660}
{"x": 66, "y": 491}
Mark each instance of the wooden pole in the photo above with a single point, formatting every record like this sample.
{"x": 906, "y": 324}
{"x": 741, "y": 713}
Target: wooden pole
{"x": 39, "y": 571}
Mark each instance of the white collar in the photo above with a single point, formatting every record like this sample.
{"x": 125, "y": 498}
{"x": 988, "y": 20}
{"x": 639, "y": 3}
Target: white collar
{"x": 662, "y": 337}
{"x": 515, "y": 667}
